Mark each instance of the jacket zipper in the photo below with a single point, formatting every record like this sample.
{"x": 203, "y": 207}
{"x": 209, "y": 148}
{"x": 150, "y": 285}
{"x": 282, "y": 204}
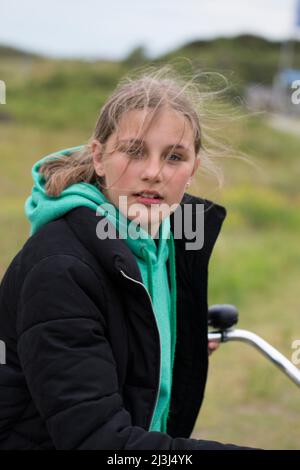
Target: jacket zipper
{"x": 138, "y": 282}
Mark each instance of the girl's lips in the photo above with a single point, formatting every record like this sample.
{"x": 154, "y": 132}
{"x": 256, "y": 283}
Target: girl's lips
{"x": 147, "y": 200}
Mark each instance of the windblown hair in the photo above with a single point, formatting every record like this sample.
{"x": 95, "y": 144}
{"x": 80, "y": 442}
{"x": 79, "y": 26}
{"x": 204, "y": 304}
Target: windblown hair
{"x": 154, "y": 90}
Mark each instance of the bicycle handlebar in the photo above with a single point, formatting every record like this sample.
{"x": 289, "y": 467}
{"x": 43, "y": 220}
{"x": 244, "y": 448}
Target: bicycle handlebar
{"x": 225, "y": 334}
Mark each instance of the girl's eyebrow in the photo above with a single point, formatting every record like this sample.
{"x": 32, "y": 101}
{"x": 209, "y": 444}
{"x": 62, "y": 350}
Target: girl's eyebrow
{"x": 141, "y": 142}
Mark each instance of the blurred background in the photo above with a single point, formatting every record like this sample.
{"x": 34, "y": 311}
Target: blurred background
{"x": 60, "y": 60}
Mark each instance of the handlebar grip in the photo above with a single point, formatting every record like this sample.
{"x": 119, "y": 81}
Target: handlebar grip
{"x": 222, "y": 316}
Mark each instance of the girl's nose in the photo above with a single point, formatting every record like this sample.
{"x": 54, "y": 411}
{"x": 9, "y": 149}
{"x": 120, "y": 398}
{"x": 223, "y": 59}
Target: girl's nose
{"x": 152, "y": 169}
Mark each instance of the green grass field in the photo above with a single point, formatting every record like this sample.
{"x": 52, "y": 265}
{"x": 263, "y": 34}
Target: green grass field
{"x": 256, "y": 262}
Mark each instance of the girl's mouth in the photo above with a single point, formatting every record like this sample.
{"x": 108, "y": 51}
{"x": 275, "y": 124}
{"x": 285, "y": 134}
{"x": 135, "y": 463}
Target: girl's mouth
{"x": 148, "y": 198}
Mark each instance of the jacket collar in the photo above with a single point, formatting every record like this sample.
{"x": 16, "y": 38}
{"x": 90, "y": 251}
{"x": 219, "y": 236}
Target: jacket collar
{"x": 115, "y": 255}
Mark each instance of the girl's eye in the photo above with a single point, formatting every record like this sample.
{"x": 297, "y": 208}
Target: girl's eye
{"x": 174, "y": 158}
{"x": 135, "y": 152}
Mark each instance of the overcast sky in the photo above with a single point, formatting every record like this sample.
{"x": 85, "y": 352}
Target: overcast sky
{"x": 111, "y": 28}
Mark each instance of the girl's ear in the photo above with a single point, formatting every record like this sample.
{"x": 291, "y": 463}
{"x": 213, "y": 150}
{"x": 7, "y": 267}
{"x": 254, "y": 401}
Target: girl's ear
{"x": 97, "y": 154}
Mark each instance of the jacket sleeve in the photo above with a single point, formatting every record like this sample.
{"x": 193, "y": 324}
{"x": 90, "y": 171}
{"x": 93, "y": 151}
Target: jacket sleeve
{"x": 70, "y": 368}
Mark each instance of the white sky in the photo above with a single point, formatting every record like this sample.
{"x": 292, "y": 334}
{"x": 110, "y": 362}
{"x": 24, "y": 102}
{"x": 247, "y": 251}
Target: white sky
{"x": 112, "y": 28}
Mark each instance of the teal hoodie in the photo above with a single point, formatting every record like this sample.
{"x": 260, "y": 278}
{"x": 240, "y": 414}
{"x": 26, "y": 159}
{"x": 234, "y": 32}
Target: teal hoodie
{"x": 151, "y": 259}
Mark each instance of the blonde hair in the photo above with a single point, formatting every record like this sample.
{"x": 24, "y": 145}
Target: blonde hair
{"x": 154, "y": 89}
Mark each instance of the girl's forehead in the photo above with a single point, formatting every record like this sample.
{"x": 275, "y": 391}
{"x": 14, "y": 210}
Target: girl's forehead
{"x": 139, "y": 123}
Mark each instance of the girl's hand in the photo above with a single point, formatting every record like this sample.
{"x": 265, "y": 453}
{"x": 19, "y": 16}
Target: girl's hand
{"x": 212, "y": 346}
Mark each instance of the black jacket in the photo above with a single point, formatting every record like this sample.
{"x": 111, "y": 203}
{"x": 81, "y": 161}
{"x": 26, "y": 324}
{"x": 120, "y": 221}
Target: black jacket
{"x": 82, "y": 346}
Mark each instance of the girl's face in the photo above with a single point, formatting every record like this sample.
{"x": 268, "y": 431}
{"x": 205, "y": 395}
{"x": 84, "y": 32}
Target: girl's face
{"x": 147, "y": 156}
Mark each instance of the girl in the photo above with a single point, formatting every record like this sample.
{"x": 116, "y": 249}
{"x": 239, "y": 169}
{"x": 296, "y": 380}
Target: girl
{"x": 104, "y": 310}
